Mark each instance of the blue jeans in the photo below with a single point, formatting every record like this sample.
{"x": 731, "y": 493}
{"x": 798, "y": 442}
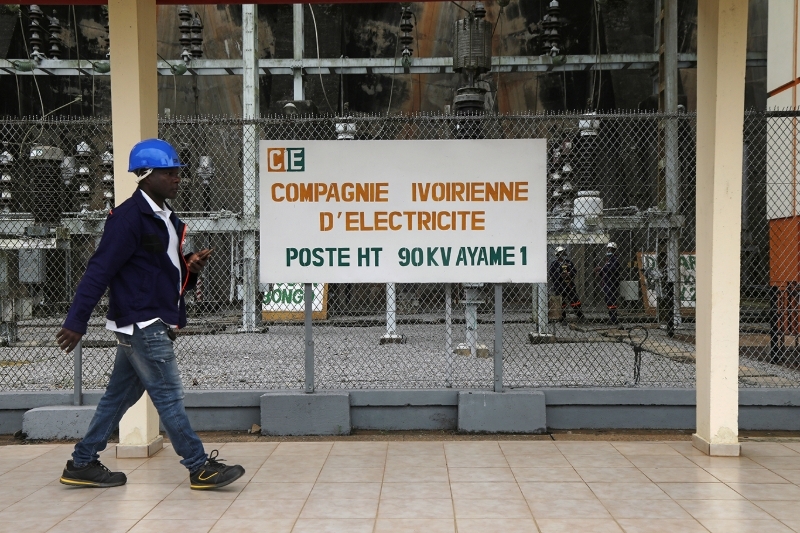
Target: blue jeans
{"x": 145, "y": 362}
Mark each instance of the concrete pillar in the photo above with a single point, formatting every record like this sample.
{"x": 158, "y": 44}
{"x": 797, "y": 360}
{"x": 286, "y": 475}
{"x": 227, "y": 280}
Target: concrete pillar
{"x": 134, "y": 116}
{"x": 721, "y": 52}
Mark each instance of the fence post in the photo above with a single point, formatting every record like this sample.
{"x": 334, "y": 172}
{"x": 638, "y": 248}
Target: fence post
{"x": 308, "y": 293}
{"x": 448, "y": 334}
{"x": 77, "y": 354}
{"x": 498, "y": 337}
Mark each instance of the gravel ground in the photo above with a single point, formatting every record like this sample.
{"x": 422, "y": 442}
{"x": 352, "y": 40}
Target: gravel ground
{"x": 349, "y": 357}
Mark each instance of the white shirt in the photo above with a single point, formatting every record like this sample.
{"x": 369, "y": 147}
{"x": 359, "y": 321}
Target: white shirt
{"x": 174, "y": 257}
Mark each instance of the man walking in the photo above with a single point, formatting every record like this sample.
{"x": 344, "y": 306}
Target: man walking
{"x": 562, "y": 274}
{"x": 140, "y": 260}
{"x": 609, "y": 281}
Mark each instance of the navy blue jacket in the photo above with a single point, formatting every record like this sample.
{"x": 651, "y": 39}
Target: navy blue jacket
{"x": 131, "y": 260}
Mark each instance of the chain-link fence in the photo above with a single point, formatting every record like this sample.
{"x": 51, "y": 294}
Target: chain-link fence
{"x": 618, "y": 309}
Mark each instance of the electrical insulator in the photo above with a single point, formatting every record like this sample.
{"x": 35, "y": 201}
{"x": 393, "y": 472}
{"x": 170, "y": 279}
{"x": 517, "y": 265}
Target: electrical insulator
{"x": 54, "y": 30}
{"x": 185, "y": 27}
{"x": 37, "y": 31}
{"x": 550, "y": 39}
{"x": 406, "y": 27}
{"x": 104, "y": 18}
{"x": 197, "y": 36}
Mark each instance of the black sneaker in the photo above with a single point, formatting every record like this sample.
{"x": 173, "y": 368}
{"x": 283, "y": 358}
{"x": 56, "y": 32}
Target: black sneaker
{"x": 95, "y": 474}
{"x": 213, "y": 474}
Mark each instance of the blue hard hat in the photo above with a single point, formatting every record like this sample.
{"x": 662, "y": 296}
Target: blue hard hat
{"x": 153, "y": 153}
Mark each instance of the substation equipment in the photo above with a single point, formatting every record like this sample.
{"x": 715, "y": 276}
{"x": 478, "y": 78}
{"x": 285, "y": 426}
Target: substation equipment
{"x": 74, "y": 184}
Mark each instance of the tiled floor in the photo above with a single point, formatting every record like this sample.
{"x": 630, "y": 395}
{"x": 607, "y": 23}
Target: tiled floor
{"x": 430, "y": 487}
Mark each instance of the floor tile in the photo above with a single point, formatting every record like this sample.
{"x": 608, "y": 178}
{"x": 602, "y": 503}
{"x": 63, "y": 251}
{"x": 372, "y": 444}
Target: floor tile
{"x": 115, "y": 509}
{"x": 351, "y": 475}
{"x": 415, "y": 448}
{"x": 790, "y": 475}
{"x": 585, "y": 448}
{"x": 778, "y": 463}
{"x": 415, "y": 508}
{"x": 685, "y": 448}
{"x": 138, "y": 491}
{"x": 472, "y": 448}
{"x": 359, "y": 448}
{"x": 480, "y": 474}
{"x": 294, "y": 461}
{"x": 93, "y": 526}
{"x": 333, "y": 508}
{"x": 417, "y": 461}
{"x": 158, "y": 476}
{"x": 415, "y": 490}
{"x": 59, "y": 493}
{"x": 229, "y": 493}
{"x": 196, "y": 509}
{"x": 477, "y": 461}
{"x": 793, "y": 524}
{"x": 278, "y": 474}
{"x": 767, "y": 491}
{"x": 250, "y": 525}
{"x": 627, "y": 491}
{"x": 355, "y": 461}
{"x": 256, "y": 449}
{"x": 699, "y": 491}
{"x": 276, "y": 491}
{"x": 537, "y": 461}
{"x": 325, "y": 525}
{"x": 488, "y": 490}
{"x": 745, "y": 526}
{"x": 651, "y": 509}
{"x": 529, "y": 448}
{"x": 264, "y": 510}
{"x": 611, "y": 475}
{"x": 660, "y": 461}
{"x": 782, "y": 510}
{"x": 723, "y": 509}
{"x": 346, "y": 491}
{"x": 176, "y": 526}
{"x": 646, "y": 525}
{"x": 767, "y": 449}
{"x": 573, "y": 525}
{"x": 414, "y": 525}
{"x": 416, "y": 475}
{"x": 26, "y": 524}
{"x": 568, "y": 509}
{"x": 556, "y": 491}
{"x": 600, "y": 461}
{"x": 705, "y": 461}
{"x": 678, "y": 475}
{"x": 469, "y": 508}
{"x": 644, "y": 448}
{"x": 747, "y": 475}
{"x": 546, "y": 474}
{"x": 303, "y": 448}
{"x": 496, "y": 525}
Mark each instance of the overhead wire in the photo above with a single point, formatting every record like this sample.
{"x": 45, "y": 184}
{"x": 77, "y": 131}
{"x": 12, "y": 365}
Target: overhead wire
{"x": 78, "y": 53}
{"x": 319, "y": 67}
{"x": 394, "y": 72}
{"x": 174, "y": 82}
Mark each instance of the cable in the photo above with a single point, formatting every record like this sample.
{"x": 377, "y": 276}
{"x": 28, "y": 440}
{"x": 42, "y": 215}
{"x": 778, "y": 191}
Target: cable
{"x": 174, "y": 82}
{"x": 78, "y": 53}
{"x": 319, "y": 68}
{"x": 460, "y": 7}
{"x": 597, "y": 55}
{"x": 33, "y": 72}
{"x": 419, "y": 76}
{"x": 391, "y": 88}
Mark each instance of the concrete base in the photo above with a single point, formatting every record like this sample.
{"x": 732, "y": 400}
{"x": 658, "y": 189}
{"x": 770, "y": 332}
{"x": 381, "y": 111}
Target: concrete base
{"x": 138, "y": 451}
{"x": 505, "y": 412}
{"x": 57, "y": 421}
{"x": 716, "y": 450}
{"x": 297, "y": 413}
{"x": 481, "y": 350}
{"x": 393, "y": 338}
{"x": 540, "y": 338}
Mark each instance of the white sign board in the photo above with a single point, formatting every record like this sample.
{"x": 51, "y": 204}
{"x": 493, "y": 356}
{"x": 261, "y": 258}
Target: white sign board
{"x": 404, "y": 211}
